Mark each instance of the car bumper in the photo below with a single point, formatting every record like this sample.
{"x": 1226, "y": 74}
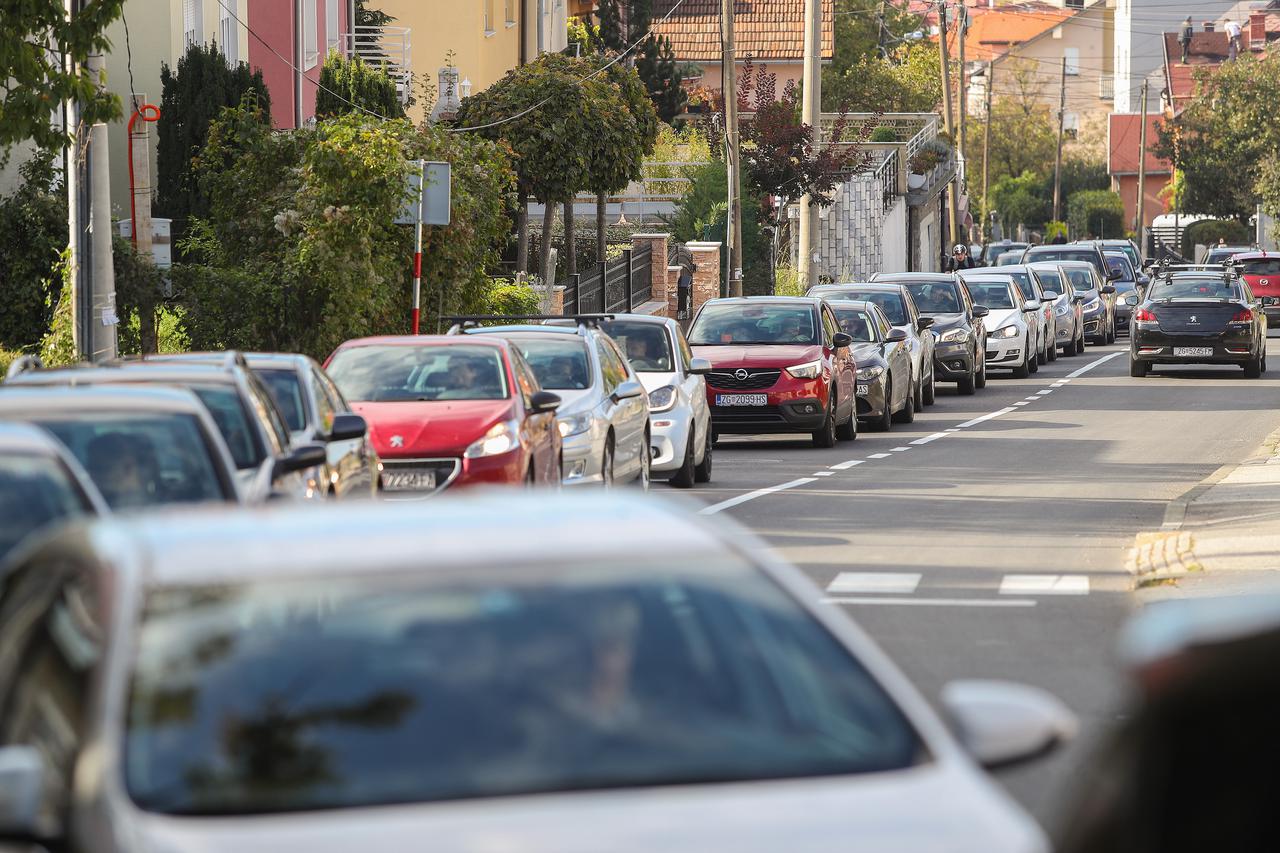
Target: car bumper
{"x": 504, "y": 469}
{"x": 796, "y": 406}
{"x": 1272, "y": 313}
{"x": 583, "y": 456}
{"x": 1158, "y": 347}
{"x": 1008, "y": 352}
{"x": 952, "y": 362}
{"x": 1094, "y": 326}
{"x": 1066, "y": 328}
{"x": 871, "y": 398}
{"x": 669, "y": 439}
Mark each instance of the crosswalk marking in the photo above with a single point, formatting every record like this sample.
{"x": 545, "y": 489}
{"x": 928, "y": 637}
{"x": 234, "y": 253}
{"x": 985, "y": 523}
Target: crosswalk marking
{"x": 888, "y": 583}
{"x": 1044, "y": 585}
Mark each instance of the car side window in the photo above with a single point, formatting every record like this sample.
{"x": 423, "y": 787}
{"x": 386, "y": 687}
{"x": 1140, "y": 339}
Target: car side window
{"x": 966, "y": 298}
{"x": 265, "y": 410}
{"x": 525, "y": 380}
{"x": 612, "y": 367}
{"x": 686, "y": 354}
{"x": 829, "y": 325}
{"x": 325, "y": 409}
{"x": 338, "y": 401}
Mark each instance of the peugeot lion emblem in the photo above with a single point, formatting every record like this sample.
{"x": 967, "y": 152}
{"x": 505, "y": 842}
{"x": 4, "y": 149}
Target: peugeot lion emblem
{"x": 397, "y": 441}
{"x": 1194, "y": 319}
{"x": 741, "y": 374}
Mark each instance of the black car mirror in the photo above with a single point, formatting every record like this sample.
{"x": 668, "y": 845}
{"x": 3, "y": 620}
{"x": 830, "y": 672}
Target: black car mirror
{"x": 543, "y": 401}
{"x": 1107, "y": 290}
{"x": 923, "y": 323}
{"x": 840, "y": 340}
{"x": 980, "y": 311}
{"x": 299, "y": 459}
{"x": 895, "y": 336}
{"x": 1080, "y": 299}
{"x": 346, "y": 426}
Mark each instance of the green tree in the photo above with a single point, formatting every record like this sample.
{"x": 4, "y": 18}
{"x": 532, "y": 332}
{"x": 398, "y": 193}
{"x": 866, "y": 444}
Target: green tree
{"x": 1096, "y": 212}
{"x": 1024, "y": 137}
{"x": 193, "y": 96}
{"x": 367, "y": 17}
{"x": 905, "y": 82}
{"x": 33, "y": 233}
{"x": 350, "y": 85}
{"x": 38, "y": 42}
{"x": 612, "y": 35}
{"x": 1078, "y": 174}
{"x": 1020, "y": 200}
{"x": 701, "y": 214}
{"x": 662, "y": 78}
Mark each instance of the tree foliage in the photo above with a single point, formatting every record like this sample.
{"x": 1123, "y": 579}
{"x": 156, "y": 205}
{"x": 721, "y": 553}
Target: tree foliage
{"x": 33, "y": 233}
{"x": 1020, "y": 200}
{"x": 662, "y": 78}
{"x": 193, "y": 96}
{"x": 36, "y": 37}
{"x": 1207, "y": 232}
{"x": 904, "y": 82}
{"x": 1099, "y": 213}
{"x": 351, "y": 85}
{"x": 1024, "y": 139}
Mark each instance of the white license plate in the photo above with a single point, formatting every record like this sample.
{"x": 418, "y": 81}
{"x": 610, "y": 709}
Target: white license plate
{"x": 1192, "y": 352}
{"x": 408, "y": 481}
{"x": 863, "y": 389}
{"x": 742, "y": 399}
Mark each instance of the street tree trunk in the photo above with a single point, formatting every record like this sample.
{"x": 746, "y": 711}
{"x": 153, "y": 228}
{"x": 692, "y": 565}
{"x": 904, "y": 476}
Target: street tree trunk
{"x": 602, "y": 229}
{"x": 522, "y": 232}
{"x": 570, "y": 245}
{"x": 548, "y": 224}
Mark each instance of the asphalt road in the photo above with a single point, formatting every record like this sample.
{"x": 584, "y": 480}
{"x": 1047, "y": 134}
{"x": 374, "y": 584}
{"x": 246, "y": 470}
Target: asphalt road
{"x": 972, "y": 545}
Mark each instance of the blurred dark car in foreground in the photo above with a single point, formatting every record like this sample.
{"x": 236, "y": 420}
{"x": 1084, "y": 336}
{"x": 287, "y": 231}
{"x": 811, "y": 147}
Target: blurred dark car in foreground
{"x": 40, "y": 484}
{"x": 374, "y": 676}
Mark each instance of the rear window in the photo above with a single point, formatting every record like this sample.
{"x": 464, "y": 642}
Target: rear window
{"x": 935, "y": 298}
{"x": 748, "y": 323}
{"x": 317, "y": 694}
{"x": 34, "y": 491}
{"x": 1195, "y": 288}
{"x": 647, "y": 345}
{"x": 993, "y": 294}
{"x": 286, "y": 390}
{"x": 381, "y": 374}
{"x": 1262, "y": 266}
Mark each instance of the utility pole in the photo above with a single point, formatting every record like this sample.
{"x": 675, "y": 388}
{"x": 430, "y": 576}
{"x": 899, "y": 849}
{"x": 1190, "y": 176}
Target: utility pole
{"x": 1057, "y": 161}
{"x": 77, "y": 207}
{"x": 1142, "y": 177}
{"x": 962, "y": 26}
{"x": 986, "y": 151}
{"x": 729, "y": 85}
{"x": 104, "y": 319}
{"x": 953, "y": 208}
{"x": 300, "y": 61}
{"x": 811, "y": 114}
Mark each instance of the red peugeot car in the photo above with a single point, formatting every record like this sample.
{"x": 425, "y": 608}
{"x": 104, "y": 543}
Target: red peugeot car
{"x": 778, "y": 364}
{"x": 1261, "y": 271}
{"x": 447, "y": 412}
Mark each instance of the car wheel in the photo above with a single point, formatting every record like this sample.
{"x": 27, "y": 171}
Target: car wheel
{"x": 1253, "y": 368}
{"x": 884, "y": 421}
{"x": 646, "y": 465}
{"x": 1080, "y": 342}
{"x": 1033, "y": 364}
{"x": 907, "y": 414}
{"x": 702, "y": 472}
{"x": 606, "y": 464}
{"x": 848, "y": 431}
{"x": 980, "y": 378}
{"x": 684, "y": 478}
{"x": 1111, "y": 331}
{"x": 1042, "y": 357}
{"x": 1264, "y": 357}
{"x": 825, "y": 436}
{"x": 918, "y": 396}
{"x": 1138, "y": 369}
{"x": 1023, "y": 370}
{"x": 930, "y": 390}
{"x": 1051, "y": 349}
{"x": 968, "y": 385}
{"x": 530, "y": 478}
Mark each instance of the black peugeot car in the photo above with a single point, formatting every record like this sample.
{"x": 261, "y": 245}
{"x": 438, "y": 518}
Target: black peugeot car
{"x": 960, "y": 353}
{"x": 1198, "y": 317}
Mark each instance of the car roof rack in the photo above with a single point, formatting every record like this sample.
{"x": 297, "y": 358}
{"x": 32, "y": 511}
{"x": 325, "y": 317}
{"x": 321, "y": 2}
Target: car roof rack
{"x": 469, "y": 321}
{"x": 24, "y": 364}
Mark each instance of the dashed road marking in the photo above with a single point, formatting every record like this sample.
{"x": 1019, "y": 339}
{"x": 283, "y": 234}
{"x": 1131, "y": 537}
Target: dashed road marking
{"x": 1006, "y": 410}
{"x": 1022, "y": 403}
{"x": 1090, "y": 366}
{"x": 898, "y": 449}
{"x": 758, "y": 493}
{"x": 929, "y": 438}
{"x": 845, "y": 466}
{"x": 891, "y": 583}
{"x": 1044, "y": 585}
{"x": 878, "y": 456}
{"x": 1045, "y": 392}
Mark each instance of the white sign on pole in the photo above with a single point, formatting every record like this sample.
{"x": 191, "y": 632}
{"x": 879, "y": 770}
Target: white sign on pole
{"x": 434, "y": 199}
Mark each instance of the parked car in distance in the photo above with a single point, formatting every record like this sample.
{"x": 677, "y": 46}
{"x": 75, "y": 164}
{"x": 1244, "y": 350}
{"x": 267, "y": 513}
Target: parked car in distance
{"x": 1222, "y": 254}
{"x": 447, "y": 412}
{"x": 1068, "y": 313}
{"x": 1125, "y": 283}
{"x": 1087, "y": 252}
{"x": 896, "y": 303}
{"x": 998, "y": 248}
{"x": 679, "y": 416}
{"x": 141, "y": 446}
{"x": 1005, "y": 259}
{"x": 480, "y": 691}
{"x": 959, "y": 354}
{"x": 1198, "y": 317}
{"x": 40, "y": 484}
{"x": 883, "y": 356}
{"x": 1261, "y": 271}
{"x": 604, "y": 419}
{"x": 1099, "y": 306}
{"x": 1129, "y": 248}
{"x": 1045, "y": 328}
{"x": 1011, "y": 325}
{"x": 778, "y": 364}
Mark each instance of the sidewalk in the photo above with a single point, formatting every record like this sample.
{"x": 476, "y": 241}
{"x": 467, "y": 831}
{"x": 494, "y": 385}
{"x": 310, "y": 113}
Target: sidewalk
{"x": 1229, "y": 523}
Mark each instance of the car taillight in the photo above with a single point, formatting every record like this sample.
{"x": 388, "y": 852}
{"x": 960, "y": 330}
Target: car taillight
{"x": 1144, "y": 316}
{"x": 1242, "y": 317}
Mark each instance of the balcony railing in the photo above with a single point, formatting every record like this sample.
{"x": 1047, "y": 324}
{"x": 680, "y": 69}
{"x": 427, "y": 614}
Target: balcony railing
{"x": 1107, "y": 87}
{"x": 389, "y": 48}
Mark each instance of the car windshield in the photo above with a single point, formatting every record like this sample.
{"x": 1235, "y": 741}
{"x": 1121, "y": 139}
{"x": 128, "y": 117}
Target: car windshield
{"x": 854, "y": 322}
{"x": 1046, "y": 253}
{"x": 993, "y": 294}
{"x": 139, "y": 460}
{"x": 1009, "y": 259}
{"x": 34, "y": 491}
{"x": 286, "y": 390}
{"x": 228, "y": 411}
{"x": 560, "y": 364}
{"x": 1194, "y": 287}
{"x": 995, "y": 250}
{"x": 647, "y": 345}
{"x": 892, "y": 304}
{"x": 298, "y": 695}
{"x": 431, "y": 372}
{"x": 1081, "y": 279}
{"x": 935, "y": 298}
{"x": 1218, "y": 254}
{"x": 1121, "y": 265}
{"x": 747, "y": 323}
{"x": 1050, "y": 280}
{"x": 1131, "y": 253}
{"x": 1262, "y": 266}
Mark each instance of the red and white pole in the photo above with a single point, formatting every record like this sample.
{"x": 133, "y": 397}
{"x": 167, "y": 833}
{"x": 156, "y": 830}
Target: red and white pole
{"x": 417, "y": 250}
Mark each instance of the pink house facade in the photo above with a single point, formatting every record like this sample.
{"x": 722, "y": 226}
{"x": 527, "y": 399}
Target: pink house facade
{"x": 322, "y": 25}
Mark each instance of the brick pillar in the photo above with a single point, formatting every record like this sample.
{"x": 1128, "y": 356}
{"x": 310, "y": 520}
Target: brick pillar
{"x": 556, "y": 305}
{"x": 658, "y": 265}
{"x": 673, "y": 284}
{"x": 706, "y": 273}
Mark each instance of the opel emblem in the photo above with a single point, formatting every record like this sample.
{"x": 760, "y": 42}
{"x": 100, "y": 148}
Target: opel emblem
{"x": 1264, "y": 282}
{"x": 397, "y": 441}
{"x": 1194, "y": 319}
{"x": 740, "y": 374}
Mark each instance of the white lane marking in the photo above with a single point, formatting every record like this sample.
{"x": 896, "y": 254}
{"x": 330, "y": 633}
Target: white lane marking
{"x": 1082, "y": 371}
{"x": 823, "y": 474}
{"x": 987, "y": 417}
{"x": 1044, "y": 392}
{"x": 898, "y": 449}
{"x": 893, "y": 583}
{"x": 1044, "y": 585}
{"x": 845, "y": 466}
{"x": 951, "y": 429}
{"x": 929, "y": 438}
{"x": 1059, "y": 384}
{"x": 1022, "y": 403}
{"x": 758, "y": 493}
{"x": 878, "y": 456}
{"x": 1031, "y": 399}
{"x": 936, "y": 602}
{"x": 1064, "y": 380}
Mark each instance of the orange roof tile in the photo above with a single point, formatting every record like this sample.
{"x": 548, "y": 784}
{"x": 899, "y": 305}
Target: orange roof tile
{"x": 995, "y": 31}
{"x": 764, "y": 29}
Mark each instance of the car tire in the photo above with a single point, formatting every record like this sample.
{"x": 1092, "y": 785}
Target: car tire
{"x": 1042, "y": 357}
{"x": 1264, "y": 356}
{"x": 1023, "y": 370}
{"x": 702, "y": 471}
{"x": 1138, "y": 369}
{"x": 884, "y": 421}
{"x": 848, "y": 431}
{"x": 645, "y": 478}
{"x": 980, "y": 378}
{"x": 907, "y": 414}
{"x": 685, "y": 477}
{"x": 606, "y": 464}
{"x": 1034, "y": 363}
{"x": 825, "y": 436}
{"x": 1111, "y": 331}
{"x": 1051, "y": 350}
{"x": 918, "y": 395}
{"x": 969, "y": 384}
{"x": 1253, "y": 368}
{"x": 1080, "y": 341}
{"x": 931, "y": 390}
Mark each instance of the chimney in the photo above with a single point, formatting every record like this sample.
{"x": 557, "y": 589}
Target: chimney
{"x": 1208, "y": 26}
{"x": 1257, "y": 30}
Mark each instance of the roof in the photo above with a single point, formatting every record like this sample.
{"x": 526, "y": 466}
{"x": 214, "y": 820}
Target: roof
{"x": 764, "y": 30}
{"x": 1124, "y": 144}
{"x": 130, "y": 372}
{"x": 28, "y": 440}
{"x": 416, "y": 340}
{"x": 1207, "y": 51}
{"x": 995, "y": 31}
{"x": 128, "y": 398}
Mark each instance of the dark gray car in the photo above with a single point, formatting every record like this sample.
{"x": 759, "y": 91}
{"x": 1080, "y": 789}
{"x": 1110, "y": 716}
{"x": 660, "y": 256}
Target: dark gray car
{"x": 960, "y": 348}
{"x": 882, "y": 352}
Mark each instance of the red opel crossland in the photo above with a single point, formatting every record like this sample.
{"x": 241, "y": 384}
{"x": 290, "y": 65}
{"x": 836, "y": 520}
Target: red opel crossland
{"x": 1261, "y": 271}
{"x": 778, "y": 364}
{"x": 446, "y": 411}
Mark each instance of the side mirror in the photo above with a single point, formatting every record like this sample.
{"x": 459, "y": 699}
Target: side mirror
{"x": 299, "y": 459}
{"x": 699, "y": 366}
{"x": 840, "y": 340}
{"x": 895, "y": 336}
{"x": 629, "y": 390}
{"x": 543, "y": 401}
{"x": 1031, "y": 306}
{"x": 980, "y": 311}
{"x": 1050, "y": 295}
{"x": 1107, "y": 290}
{"x": 346, "y": 426}
{"x": 1131, "y": 299}
{"x": 21, "y": 785}
{"x": 923, "y": 323}
{"x": 1080, "y": 299}
{"x": 1002, "y": 723}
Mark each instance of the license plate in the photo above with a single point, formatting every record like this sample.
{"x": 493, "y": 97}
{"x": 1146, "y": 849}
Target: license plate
{"x": 408, "y": 481}
{"x": 1192, "y": 352}
{"x": 742, "y": 399}
{"x": 863, "y": 389}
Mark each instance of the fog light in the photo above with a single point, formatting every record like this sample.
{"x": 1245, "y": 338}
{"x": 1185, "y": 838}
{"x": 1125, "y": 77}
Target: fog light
{"x": 662, "y": 424}
{"x": 579, "y": 468}
{"x": 957, "y": 365}
{"x": 654, "y": 453}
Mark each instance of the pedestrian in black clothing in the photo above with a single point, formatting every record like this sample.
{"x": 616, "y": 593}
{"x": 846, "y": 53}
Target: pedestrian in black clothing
{"x": 1184, "y": 38}
{"x": 959, "y": 259}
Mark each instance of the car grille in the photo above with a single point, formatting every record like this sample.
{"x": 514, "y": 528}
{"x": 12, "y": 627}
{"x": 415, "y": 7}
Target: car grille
{"x": 445, "y": 470}
{"x": 1210, "y": 319}
{"x": 754, "y": 380}
{"x": 747, "y": 415}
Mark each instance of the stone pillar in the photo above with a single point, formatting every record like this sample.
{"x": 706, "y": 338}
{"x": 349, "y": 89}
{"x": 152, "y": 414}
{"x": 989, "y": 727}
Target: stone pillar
{"x": 706, "y": 273}
{"x": 658, "y": 265}
{"x": 552, "y": 303}
{"x": 673, "y": 284}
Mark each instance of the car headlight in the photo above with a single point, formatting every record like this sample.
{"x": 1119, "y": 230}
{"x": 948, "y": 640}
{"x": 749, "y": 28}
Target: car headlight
{"x": 575, "y": 424}
{"x": 1006, "y": 332}
{"x": 810, "y": 370}
{"x": 501, "y": 438}
{"x": 1062, "y": 307}
{"x": 1094, "y": 304}
{"x": 952, "y": 336}
{"x": 870, "y": 372}
{"x": 661, "y": 399}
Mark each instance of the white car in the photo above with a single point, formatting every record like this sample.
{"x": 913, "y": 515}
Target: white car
{"x": 1011, "y": 325}
{"x": 679, "y": 417}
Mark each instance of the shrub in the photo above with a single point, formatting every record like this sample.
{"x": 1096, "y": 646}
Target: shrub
{"x": 33, "y": 233}
{"x": 884, "y": 134}
{"x": 1096, "y": 212}
{"x": 367, "y": 86}
{"x": 1206, "y": 232}
{"x": 58, "y": 346}
{"x": 7, "y": 357}
{"x": 508, "y": 297}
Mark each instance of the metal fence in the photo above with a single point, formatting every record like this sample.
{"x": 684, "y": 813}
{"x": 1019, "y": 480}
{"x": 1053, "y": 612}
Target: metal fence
{"x": 614, "y": 287}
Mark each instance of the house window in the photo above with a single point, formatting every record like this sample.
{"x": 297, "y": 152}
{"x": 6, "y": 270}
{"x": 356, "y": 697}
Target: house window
{"x": 310, "y": 34}
{"x": 510, "y": 11}
{"x": 192, "y": 20}
{"x": 1072, "y": 55}
{"x": 331, "y": 37}
{"x": 488, "y": 17}
{"x": 228, "y": 36}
